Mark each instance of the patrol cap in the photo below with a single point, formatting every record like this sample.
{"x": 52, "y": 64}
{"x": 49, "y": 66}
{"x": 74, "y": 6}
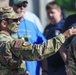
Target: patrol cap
{"x": 12, "y": 2}
{"x": 8, "y": 13}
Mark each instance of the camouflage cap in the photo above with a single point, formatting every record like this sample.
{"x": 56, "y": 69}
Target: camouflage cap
{"x": 12, "y": 2}
{"x": 8, "y": 12}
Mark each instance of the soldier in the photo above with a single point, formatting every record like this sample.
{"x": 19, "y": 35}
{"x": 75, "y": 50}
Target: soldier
{"x": 14, "y": 51}
{"x": 70, "y": 46}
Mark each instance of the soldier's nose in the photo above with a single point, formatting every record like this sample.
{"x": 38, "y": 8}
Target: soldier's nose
{"x": 18, "y": 22}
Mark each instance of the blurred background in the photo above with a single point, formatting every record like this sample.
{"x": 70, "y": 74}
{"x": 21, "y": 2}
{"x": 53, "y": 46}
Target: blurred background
{"x": 38, "y": 7}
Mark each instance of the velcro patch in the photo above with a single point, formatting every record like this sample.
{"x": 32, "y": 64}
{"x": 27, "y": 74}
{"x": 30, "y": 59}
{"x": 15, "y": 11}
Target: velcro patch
{"x": 18, "y": 43}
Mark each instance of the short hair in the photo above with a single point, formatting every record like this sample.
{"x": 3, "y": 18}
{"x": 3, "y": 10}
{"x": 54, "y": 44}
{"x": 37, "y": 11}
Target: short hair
{"x": 53, "y": 5}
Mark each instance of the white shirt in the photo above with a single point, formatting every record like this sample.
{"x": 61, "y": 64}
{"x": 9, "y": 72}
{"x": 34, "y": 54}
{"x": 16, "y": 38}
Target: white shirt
{"x": 33, "y": 18}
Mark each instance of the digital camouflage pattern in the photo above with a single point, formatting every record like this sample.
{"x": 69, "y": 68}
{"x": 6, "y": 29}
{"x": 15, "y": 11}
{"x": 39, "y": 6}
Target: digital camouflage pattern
{"x": 71, "y": 57}
{"x": 13, "y": 51}
{"x": 8, "y": 13}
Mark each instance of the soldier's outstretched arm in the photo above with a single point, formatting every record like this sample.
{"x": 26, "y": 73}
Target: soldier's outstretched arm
{"x": 38, "y": 51}
{"x": 28, "y": 51}
{"x": 44, "y": 50}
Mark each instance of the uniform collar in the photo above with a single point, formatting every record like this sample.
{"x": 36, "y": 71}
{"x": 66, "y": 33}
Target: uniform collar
{"x": 4, "y": 32}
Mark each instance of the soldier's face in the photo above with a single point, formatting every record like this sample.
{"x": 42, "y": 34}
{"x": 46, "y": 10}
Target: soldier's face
{"x": 20, "y": 8}
{"x": 13, "y": 25}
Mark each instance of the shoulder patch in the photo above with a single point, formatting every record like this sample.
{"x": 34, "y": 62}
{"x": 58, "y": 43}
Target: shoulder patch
{"x": 18, "y": 43}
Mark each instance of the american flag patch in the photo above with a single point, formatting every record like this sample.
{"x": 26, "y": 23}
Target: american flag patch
{"x": 18, "y": 43}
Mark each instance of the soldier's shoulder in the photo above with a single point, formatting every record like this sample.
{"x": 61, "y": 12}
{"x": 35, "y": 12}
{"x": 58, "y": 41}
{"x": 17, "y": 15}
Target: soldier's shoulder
{"x": 4, "y": 37}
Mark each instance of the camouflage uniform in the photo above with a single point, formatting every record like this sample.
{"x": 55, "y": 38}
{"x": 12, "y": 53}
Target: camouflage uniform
{"x": 71, "y": 57}
{"x": 14, "y": 51}
{"x": 70, "y": 45}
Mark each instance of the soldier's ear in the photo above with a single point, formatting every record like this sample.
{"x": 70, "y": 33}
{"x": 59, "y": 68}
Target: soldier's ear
{"x": 3, "y": 23}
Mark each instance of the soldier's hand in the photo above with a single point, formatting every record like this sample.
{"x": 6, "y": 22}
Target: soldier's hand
{"x": 68, "y": 33}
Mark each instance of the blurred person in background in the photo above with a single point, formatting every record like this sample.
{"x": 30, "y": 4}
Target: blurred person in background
{"x": 55, "y": 63}
{"x": 33, "y": 18}
{"x": 27, "y": 30}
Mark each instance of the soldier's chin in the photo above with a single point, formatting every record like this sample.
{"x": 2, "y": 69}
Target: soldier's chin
{"x": 14, "y": 32}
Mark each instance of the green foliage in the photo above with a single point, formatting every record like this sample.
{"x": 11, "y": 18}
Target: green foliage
{"x": 69, "y": 5}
